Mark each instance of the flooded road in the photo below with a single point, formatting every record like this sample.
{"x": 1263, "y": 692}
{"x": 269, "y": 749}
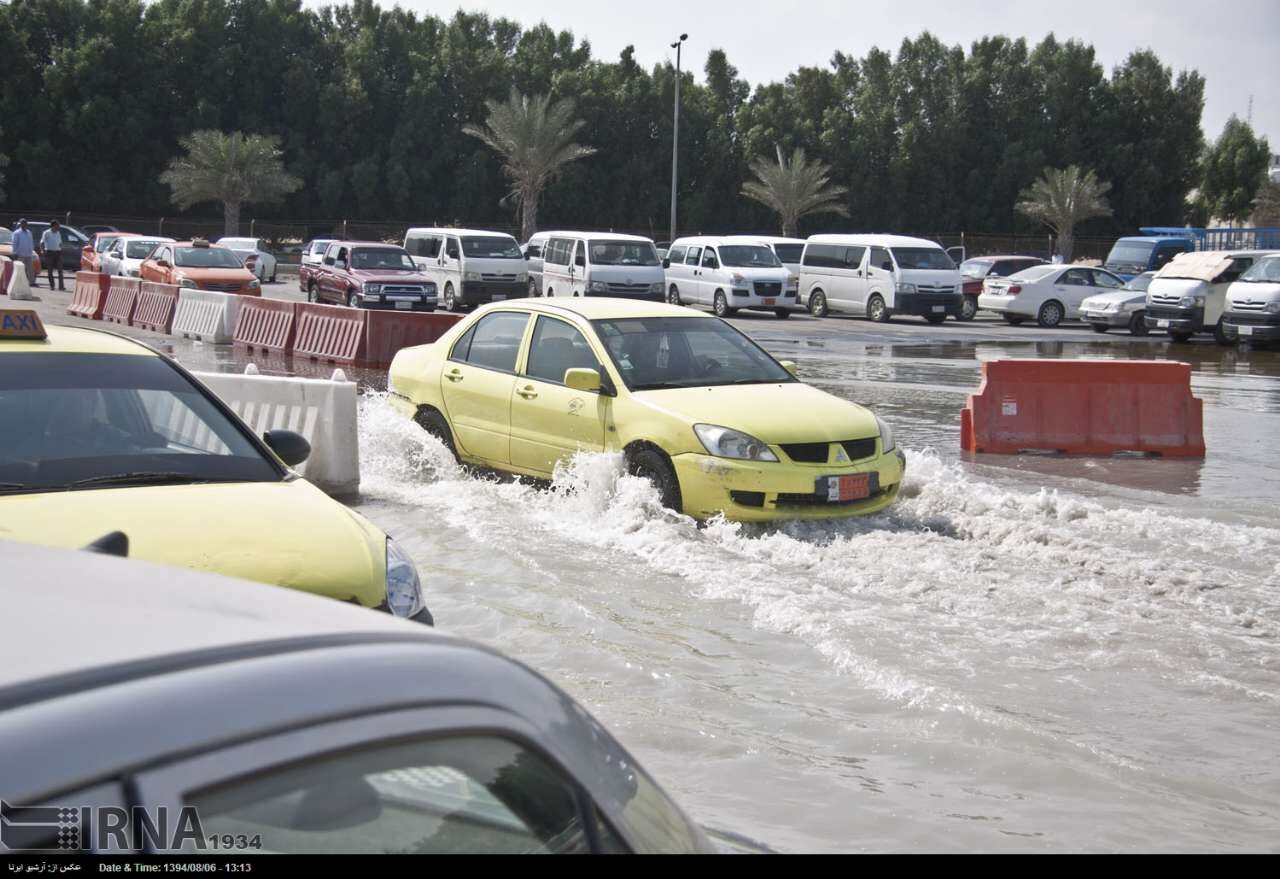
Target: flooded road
{"x": 1025, "y": 654}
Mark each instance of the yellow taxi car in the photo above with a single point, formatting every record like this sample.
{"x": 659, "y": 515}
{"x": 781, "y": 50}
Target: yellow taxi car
{"x": 101, "y": 435}
{"x": 695, "y": 406}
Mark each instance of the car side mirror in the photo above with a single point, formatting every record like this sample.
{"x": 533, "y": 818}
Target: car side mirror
{"x": 585, "y": 380}
{"x": 790, "y": 367}
{"x": 163, "y": 263}
{"x": 666, "y": 263}
{"x": 292, "y": 448}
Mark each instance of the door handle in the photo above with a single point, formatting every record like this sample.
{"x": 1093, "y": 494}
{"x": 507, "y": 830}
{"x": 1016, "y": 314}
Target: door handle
{"x": 528, "y": 392}
{"x": 454, "y": 375}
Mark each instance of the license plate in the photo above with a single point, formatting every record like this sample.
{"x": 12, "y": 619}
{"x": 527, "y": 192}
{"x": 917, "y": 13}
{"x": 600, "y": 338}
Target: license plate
{"x": 842, "y": 489}
{"x": 499, "y": 297}
{"x": 1246, "y": 331}
{"x": 770, "y": 301}
{"x": 1162, "y": 324}
{"x": 404, "y": 306}
{"x": 939, "y": 309}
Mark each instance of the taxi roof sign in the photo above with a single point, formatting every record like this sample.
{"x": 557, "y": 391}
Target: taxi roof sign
{"x": 21, "y": 323}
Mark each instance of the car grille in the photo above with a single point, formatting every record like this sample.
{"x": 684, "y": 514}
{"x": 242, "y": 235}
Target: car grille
{"x": 499, "y": 279}
{"x": 403, "y": 290}
{"x": 773, "y": 289}
{"x": 1169, "y": 312}
{"x": 1248, "y": 306}
{"x": 629, "y": 289}
{"x": 820, "y": 453}
{"x": 820, "y": 501}
{"x": 223, "y": 288}
{"x": 1255, "y": 319}
{"x": 936, "y": 291}
{"x": 1164, "y": 298}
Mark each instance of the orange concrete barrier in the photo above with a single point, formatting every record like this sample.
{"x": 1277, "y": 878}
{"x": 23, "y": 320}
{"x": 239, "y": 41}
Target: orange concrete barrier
{"x": 90, "y": 295}
{"x": 1084, "y": 407}
{"x": 386, "y": 332}
{"x": 122, "y": 297}
{"x": 331, "y": 333}
{"x": 154, "y": 310}
{"x": 6, "y": 272}
{"x": 266, "y": 325}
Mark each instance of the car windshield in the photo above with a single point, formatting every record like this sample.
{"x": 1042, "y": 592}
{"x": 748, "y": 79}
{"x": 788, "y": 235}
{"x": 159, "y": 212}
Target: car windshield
{"x": 206, "y": 258}
{"x": 491, "y": 247}
{"x": 1035, "y": 273}
{"x": 655, "y": 353}
{"x": 976, "y": 268}
{"x": 104, "y": 242}
{"x": 1130, "y": 253}
{"x": 789, "y": 252}
{"x": 6, "y": 237}
{"x": 923, "y": 258}
{"x": 1264, "y": 271}
{"x": 381, "y": 258}
{"x": 79, "y": 421}
{"x": 623, "y": 253}
{"x": 140, "y": 249}
{"x": 748, "y": 256}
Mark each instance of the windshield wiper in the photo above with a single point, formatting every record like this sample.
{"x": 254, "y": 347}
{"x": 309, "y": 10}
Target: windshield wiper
{"x": 139, "y": 478}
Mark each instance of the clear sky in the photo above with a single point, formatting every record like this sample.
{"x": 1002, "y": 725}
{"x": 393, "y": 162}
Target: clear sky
{"x": 1235, "y": 46}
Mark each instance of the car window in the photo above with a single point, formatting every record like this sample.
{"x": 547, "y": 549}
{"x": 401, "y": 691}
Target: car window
{"x": 880, "y": 259}
{"x": 462, "y": 347}
{"x": 709, "y": 258}
{"x": 496, "y": 341}
{"x": 557, "y": 347}
{"x": 788, "y": 252}
{"x": 676, "y": 254}
{"x": 825, "y": 256}
{"x": 138, "y": 248}
{"x": 695, "y": 254}
{"x": 533, "y": 251}
{"x": 381, "y": 259}
{"x": 491, "y": 247}
{"x": 853, "y": 257}
{"x": 452, "y": 249}
{"x": 1077, "y": 278}
{"x": 473, "y": 794}
{"x": 1105, "y": 279}
{"x": 1166, "y": 254}
{"x": 683, "y": 352}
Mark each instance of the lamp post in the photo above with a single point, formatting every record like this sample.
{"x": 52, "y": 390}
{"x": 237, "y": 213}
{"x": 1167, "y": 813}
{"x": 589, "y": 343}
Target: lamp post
{"x": 675, "y": 136}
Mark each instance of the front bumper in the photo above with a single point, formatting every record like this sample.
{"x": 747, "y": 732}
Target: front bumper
{"x": 420, "y": 304}
{"x": 1175, "y": 319}
{"x": 1107, "y": 318}
{"x": 928, "y": 304}
{"x": 1252, "y": 326}
{"x": 484, "y": 292}
{"x": 741, "y": 297}
{"x": 750, "y": 491}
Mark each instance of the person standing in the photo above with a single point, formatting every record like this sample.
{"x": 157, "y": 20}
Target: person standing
{"x": 24, "y": 250}
{"x": 51, "y": 252}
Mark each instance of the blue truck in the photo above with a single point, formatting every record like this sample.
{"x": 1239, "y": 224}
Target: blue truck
{"x": 1159, "y": 244}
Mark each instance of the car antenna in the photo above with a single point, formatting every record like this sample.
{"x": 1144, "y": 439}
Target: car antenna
{"x": 116, "y": 543}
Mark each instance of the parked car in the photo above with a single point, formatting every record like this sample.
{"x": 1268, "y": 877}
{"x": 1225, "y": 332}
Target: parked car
{"x": 369, "y": 274}
{"x": 1123, "y": 309}
{"x": 729, "y": 273}
{"x": 125, "y": 255}
{"x": 1137, "y": 255}
{"x": 255, "y": 249}
{"x": 94, "y": 230}
{"x": 200, "y": 265}
{"x": 534, "y": 250}
{"x": 91, "y": 255}
{"x": 1189, "y": 295}
{"x": 1253, "y": 303}
{"x": 879, "y": 276}
{"x": 73, "y": 243}
{"x": 1047, "y": 294}
{"x": 471, "y": 267}
{"x": 600, "y": 264}
{"x": 695, "y": 406}
{"x": 6, "y": 248}
{"x": 294, "y": 725}
{"x": 975, "y": 271}
{"x": 104, "y": 434}
{"x": 313, "y": 251}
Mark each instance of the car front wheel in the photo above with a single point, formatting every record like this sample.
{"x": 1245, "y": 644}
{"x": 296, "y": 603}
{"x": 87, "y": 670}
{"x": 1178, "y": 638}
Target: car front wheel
{"x": 652, "y": 465}
{"x": 353, "y": 299}
{"x": 968, "y": 309}
{"x": 818, "y": 304}
{"x": 1138, "y": 324}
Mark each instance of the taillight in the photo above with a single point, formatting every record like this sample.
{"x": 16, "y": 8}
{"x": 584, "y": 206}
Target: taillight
{"x": 1015, "y": 290}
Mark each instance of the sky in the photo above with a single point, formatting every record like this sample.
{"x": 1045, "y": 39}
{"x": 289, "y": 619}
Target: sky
{"x": 1236, "y": 47}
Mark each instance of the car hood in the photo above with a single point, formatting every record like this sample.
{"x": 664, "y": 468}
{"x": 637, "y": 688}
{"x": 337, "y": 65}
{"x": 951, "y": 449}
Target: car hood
{"x": 216, "y": 276}
{"x": 1124, "y": 297}
{"x": 784, "y": 413}
{"x": 283, "y": 533}
{"x": 401, "y": 276}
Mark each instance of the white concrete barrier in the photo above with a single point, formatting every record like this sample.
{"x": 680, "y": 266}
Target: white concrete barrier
{"x": 19, "y": 287}
{"x": 205, "y": 315}
{"x": 322, "y": 411}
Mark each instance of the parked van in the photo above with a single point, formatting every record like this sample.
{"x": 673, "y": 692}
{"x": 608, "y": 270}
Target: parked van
{"x": 533, "y": 250}
{"x": 729, "y": 273}
{"x": 1134, "y": 256}
{"x": 1253, "y": 303}
{"x": 1189, "y": 295}
{"x": 599, "y": 264}
{"x": 469, "y": 267}
{"x": 879, "y": 276}
{"x": 787, "y": 250}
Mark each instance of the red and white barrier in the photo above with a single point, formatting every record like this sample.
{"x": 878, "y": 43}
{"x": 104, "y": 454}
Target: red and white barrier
{"x": 206, "y": 316}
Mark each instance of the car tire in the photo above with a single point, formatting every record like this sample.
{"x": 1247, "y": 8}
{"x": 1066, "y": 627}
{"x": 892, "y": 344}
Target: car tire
{"x": 551, "y": 293}
{"x": 533, "y": 289}
{"x": 273, "y": 278}
{"x": 876, "y": 310}
{"x": 438, "y": 426}
{"x": 935, "y": 319}
{"x": 1014, "y": 320}
{"x": 673, "y": 296}
{"x": 1220, "y": 335}
{"x": 720, "y": 305}
{"x": 353, "y": 299}
{"x": 968, "y": 309}
{"x": 1050, "y": 315}
{"x": 450, "y": 300}
{"x": 649, "y": 463}
{"x": 1099, "y": 328}
{"x": 782, "y": 313}
{"x": 818, "y": 304}
{"x": 1138, "y": 324}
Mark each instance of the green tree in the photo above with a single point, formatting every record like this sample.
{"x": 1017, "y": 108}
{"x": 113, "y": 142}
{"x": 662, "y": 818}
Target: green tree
{"x": 535, "y": 138}
{"x": 794, "y": 188}
{"x": 232, "y": 169}
{"x": 1235, "y": 168}
{"x": 1266, "y": 207}
{"x": 1063, "y": 198}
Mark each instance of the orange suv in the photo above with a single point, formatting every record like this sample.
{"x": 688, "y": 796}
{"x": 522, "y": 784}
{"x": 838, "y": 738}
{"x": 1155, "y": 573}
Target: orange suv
{"x": 197, "y": 264}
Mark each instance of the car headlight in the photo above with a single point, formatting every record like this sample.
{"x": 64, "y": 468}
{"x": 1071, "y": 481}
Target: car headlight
{"x": 472, "y": 276}
{"x": 522, "y": 278}
{"x": 887, "y": 442}
{"x": 1191, "y": 301}
{"x": 430, "y": 290}
{"x": 655, "y": 287}
{"x": 725, "y": 443}
{"x": 738, "y": 278}
{"x": 906, "y": 288}
{"x": 255, "y": 284}
{"x": 404, "y": 589}
{"x": 793, "y": 283}
{"x": 372, "y": 289}
{"x": 1272, "y": 307}
{"x": 597, "y": 287}
{"x": 187, "y": 282}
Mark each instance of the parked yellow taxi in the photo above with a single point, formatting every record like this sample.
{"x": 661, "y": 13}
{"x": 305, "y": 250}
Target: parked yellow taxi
{"x": 101, "y": 435}
{"x": 695, "y": 406}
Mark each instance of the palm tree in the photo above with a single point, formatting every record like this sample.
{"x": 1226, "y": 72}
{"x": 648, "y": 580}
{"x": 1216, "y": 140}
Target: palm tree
{"x": 1061, "y": 199}
{"x": 534, "y": 136}
{"x": 230, "y": 168}
{"x": 794, "y": 189}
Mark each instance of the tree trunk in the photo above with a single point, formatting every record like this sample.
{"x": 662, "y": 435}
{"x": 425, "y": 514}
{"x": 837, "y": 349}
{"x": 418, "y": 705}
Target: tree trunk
{"x": 789, "y": 227}
{"x": 231, "y": 219}
{"x": 529, "y": 215}
{"x": 1067, "y": 243}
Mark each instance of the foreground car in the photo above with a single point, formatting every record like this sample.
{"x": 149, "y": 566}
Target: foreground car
{"x": 99, "y": 433}
{"x": 1046, "y": 294}
{"x": 294, "y": 725}
{"x": 708, "y": 416}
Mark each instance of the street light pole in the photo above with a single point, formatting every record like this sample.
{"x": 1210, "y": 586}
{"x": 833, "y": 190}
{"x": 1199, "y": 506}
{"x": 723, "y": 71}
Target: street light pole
{"x": 675, "y": 136}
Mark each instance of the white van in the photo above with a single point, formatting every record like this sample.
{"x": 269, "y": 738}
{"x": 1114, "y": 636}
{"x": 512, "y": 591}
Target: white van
{"x": 789, "y": 251}
{"x": 600, "y": 264}
{"x": 1189, "y": 295}
{"x": 533, "y": 250}
{"x": 470, "y": 267}
{"x": 879, "y": 276}
{"x": 729, "y": 273}
{"x": 1253, "y": 303}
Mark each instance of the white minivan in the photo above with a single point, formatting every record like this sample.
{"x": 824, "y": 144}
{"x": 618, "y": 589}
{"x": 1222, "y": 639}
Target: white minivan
{"x": 879, "y": 276}
{"x": 533, "y": 251}
{"x": 1253, "y": 303}
{"x": 1189, "y": 295}
{"x": 729, "y": 273}
{"x": 600, "y": 264}
{"x": 470, "y": 267}
{"x": 789, "y": 251}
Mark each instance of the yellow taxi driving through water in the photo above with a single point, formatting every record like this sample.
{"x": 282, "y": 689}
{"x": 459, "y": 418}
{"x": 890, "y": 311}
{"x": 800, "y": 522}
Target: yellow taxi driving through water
{"x": 101, "y": 435}
{"x": 695, "y": 406}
